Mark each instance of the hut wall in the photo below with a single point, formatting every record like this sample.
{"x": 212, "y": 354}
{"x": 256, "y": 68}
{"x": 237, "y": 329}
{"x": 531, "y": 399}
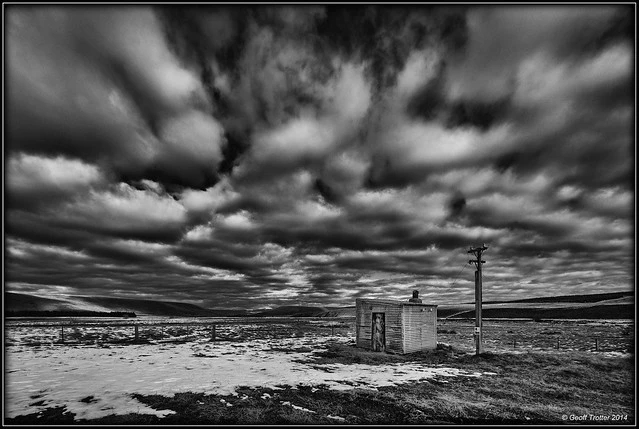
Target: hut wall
{"x": 393, "y": 324}
{"x": 420, "y": 328}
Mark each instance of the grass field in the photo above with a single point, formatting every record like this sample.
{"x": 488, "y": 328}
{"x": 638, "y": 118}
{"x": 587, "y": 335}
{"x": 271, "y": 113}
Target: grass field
{"x": 501, "y": 386}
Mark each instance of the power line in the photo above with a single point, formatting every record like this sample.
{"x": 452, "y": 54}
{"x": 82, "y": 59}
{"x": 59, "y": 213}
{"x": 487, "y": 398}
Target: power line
{"x": 457, "y": 277}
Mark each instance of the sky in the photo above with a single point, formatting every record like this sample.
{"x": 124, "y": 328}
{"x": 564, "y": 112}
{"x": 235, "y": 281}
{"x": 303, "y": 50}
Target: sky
{"x": 257, "y": 156}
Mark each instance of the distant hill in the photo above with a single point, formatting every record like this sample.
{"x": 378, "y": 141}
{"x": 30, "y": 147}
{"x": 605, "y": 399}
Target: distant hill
{"x": 339, "y": 312}
{"x": 612, "y": 311}
{"x": 292, "y": 311}
{"x": 595, "y": 306}
{"x": 68, "y": 313}
{"x": 156, "y": 308}
{"x": 598, "y": 297}
{"x": 14, "y": 302}
{"x": 17, "y": 302}
{"x": 302, "y": 311}
{"x": 615, "y": 305}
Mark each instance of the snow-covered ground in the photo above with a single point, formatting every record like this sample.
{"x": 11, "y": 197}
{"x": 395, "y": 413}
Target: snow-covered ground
{"x": 98, "y": 368}
{"x": 94, "y": 381}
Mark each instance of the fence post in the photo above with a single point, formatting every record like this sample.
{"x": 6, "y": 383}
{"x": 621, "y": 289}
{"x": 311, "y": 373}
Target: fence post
{"x": 137, "y": 336}
{"x": 597, "y": 344}
{"x": 62, "y": 334}
{"x": 213, "y": 333}
{"x": 557, "y": 344}
{"x": 514, "y": 343}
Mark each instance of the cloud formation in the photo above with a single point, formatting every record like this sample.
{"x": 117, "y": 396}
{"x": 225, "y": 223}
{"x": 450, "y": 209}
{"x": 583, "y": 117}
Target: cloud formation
{"x": 102, "y": 85}
{"x": 317, "y": 154}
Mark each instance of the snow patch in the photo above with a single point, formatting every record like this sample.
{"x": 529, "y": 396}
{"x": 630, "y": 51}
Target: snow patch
{"x": 112, "y": 375}
{"x": 297, "y": 407}
{"x": 341, "y": 419}
{"x": 617, "y": 354}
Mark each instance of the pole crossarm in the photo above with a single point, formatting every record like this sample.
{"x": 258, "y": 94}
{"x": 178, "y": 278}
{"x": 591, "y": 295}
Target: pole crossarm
{"x": 477, "y": 251}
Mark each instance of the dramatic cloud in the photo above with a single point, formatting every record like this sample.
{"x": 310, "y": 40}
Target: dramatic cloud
{"x": 101, "y": 84}
{"x": 34, "y": 180}
{"x": 211, "y": 154}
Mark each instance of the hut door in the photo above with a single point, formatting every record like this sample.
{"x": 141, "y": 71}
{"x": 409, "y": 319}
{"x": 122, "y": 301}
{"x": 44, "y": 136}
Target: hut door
{"x": 379, "y": 332}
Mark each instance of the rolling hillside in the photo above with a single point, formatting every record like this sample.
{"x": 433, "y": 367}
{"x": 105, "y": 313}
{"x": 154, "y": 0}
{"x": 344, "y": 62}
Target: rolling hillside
{"x": 617, "y": 305}
{"x": 611, "y": 311}
{"x": 22, "y": 302}
{"x": 599, "y": 297}
{"x": 339, "y": 312}
{"x": 291, "y": 311}
{"x": 16, "y": 302}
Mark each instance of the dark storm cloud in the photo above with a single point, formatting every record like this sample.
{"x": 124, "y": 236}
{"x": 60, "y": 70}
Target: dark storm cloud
{"x": 101, "y": 84}
{"x": 318, "y": 154}
{"x": 110, "y": 267}
{"x": 457, "y": 204}
{"x": 501, "y": 38}
{"x": 508, "y": 92}
{"x": 417, "y": 265}
{"x": 209, "y": 257}
{"x": 478, "y": 114}
{"x": 121, "y": 211}
{"x": 36, "y": 229}
{"x": 387, "y": 35}
{"x": 270, "y": 65}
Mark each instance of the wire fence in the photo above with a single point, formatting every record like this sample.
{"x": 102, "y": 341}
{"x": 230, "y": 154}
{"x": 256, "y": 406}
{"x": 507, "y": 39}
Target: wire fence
{"x": 74, "y": 333}
{"x": 496, "y": 337}
{"x": 586, "y": 343}
{"x": 560, "y": 336}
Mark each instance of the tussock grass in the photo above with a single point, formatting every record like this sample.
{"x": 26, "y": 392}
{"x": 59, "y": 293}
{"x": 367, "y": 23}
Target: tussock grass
{"x": 528, "y": 388}
{"x": 349, "y": 354}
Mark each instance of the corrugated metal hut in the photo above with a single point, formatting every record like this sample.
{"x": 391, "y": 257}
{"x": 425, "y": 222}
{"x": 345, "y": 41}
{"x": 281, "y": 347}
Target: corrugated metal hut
{"x": 396, "y": 326}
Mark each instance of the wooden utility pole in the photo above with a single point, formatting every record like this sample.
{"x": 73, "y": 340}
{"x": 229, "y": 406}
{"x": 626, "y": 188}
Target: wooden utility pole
{"x": 477, "y": 251}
